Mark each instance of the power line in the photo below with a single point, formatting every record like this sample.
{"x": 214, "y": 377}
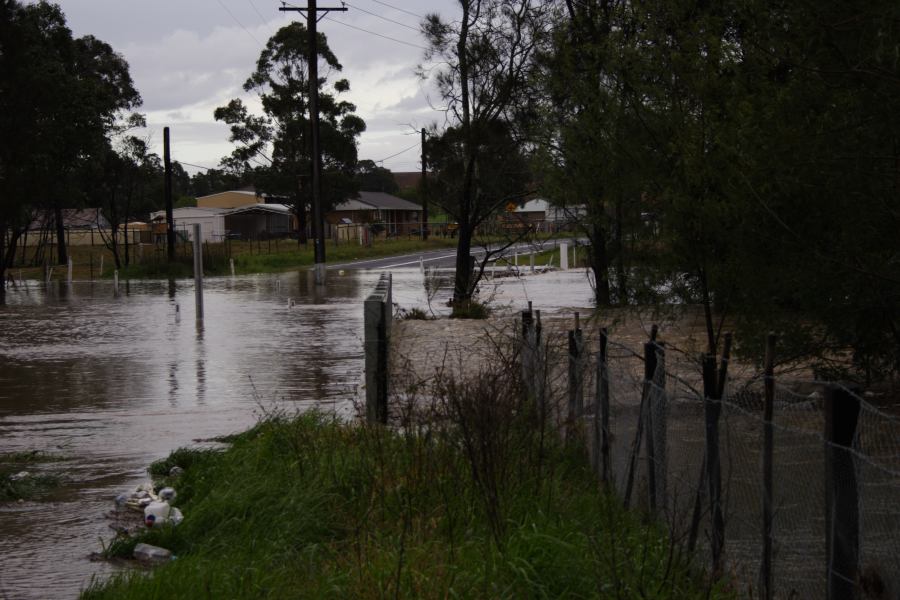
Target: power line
{"x": 256, "y": 10}
{"x": 397, "y": 154}
{"x": 382, "y": 18}
{"x": 237, "y": 21}
{"x": 396, "y": 8}
{"x": 181, "y": 162}
{"x": 387, "y": 37}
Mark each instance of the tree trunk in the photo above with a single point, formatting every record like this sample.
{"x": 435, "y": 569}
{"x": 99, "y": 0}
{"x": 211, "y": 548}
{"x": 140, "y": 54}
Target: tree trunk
{"x": 600, "y": 266}
{"x": 62, "y": 254}
{"x": 3, "y": 259}
{"x": 707, "y": 313}
{"x": 621, "y": 274}
{"x": 462, "y": 287}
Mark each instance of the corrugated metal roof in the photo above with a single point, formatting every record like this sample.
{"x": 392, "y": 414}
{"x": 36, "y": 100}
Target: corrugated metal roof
{"x": 353, "y": 205}
{"x": 278, "y": 209}
{"x": 384, "y": 201}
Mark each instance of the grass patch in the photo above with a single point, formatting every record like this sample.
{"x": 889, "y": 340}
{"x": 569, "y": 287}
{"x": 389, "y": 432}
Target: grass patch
{"x": 475, "y": 503}
{"x": 30, "y": 487}
{"x": 27, "y": 457}
{"x": 14, "y": 486}
{"x": 249, "y": 257}
{"x": 415, "y": 314}
{"x": 471, "y": 309}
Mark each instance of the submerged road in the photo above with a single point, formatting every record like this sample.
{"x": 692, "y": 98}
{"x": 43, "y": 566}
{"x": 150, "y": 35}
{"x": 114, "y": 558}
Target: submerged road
{"x": 445, "y": 258}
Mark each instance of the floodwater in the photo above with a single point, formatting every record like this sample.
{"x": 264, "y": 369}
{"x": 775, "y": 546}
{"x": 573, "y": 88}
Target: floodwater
{"x": 112, "y": 383}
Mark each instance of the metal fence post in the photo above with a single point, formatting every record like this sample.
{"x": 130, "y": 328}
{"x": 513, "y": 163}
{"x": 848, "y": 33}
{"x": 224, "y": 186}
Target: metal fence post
{"x": 198, "y": 271}
{"x": 768, "y": 458}
{"x": 841, "y": 494}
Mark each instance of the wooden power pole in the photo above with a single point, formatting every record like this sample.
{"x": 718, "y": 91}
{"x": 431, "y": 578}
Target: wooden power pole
{"x": 424, "y": 188}
{"x": 312, "y": 57}
{"x": 170, "y": 218}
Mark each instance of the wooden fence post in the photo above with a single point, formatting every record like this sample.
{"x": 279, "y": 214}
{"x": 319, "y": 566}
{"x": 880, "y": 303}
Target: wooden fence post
{"x": 540, "y": 366}
{"x": 377, "y": 329}
{"x": 527, "y": 349}
{"x": 768, "y": 454}
{"x": 712, "y": 408}
{"x": 576, "y": 375}
{"x": 657, "y": 426}
{"x": 649, "y": 367}
{"x": 601, "y": 411}
{"x": 841, "y": 494}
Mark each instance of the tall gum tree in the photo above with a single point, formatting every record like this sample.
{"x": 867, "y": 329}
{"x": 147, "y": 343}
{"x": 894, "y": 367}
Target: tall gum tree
{"x": 275, "y": 146}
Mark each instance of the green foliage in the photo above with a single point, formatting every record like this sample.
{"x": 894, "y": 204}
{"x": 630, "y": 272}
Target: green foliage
{"x": 60, "y": 102}
{"x": 482, "y": 65}
{"x": 743, "y": 157}
{"x": 372, "y": 178}
{"x": 314, "y": 506}
{"x": 470, "y": 309}
{"x": 32, "y": 486}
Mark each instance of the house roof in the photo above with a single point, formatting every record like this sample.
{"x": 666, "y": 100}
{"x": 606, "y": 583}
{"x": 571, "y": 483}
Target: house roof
{"x": 278, "y": 209}
{"x": 245, "y": 192}
{"x": 189, "y": 211}
{"x": 383, "y": 201}
{"x": 377, "y": 201}
{"x": 353, "y": 205}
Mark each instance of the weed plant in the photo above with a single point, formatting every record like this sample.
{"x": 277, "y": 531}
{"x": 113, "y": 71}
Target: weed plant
{"x": 466, "y": 495}
{"x": 32, "y": 486}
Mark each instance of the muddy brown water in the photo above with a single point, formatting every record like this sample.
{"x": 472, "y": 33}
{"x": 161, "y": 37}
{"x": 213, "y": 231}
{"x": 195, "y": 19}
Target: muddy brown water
{"x": 114, "y": 383}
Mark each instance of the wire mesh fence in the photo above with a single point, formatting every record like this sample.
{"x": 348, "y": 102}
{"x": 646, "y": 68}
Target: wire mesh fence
{"x": 804, "y": 503}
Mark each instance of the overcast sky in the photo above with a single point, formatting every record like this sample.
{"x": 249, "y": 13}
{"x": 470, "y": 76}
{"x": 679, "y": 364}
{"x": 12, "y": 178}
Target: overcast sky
{"x": 189, "y": 56}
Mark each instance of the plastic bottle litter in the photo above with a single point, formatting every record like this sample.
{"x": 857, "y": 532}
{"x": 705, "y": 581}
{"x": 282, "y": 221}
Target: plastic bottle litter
{"x": 156, "y": 513}
{"x": 175, "y": 471}
{"x": 148, "y": 553}
{"x": 167, "y": 494}
{"x": 19, "y": 476}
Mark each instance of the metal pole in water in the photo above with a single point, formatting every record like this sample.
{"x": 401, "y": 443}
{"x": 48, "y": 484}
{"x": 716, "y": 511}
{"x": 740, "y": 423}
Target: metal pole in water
{"x": 532, "y": 261}
{"x": 231, "y": 262}
{"x": 116, "y": 282}
{"x": 69, "y": 273}
{"x": 101, "y": 266}
{"x": 198, "y": 271}
{"x": 421, "y": 263}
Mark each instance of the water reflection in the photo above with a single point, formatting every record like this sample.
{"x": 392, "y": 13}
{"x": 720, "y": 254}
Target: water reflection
{"x": 114, "y": 382}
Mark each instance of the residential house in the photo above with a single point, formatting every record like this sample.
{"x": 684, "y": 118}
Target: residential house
{"x": 399, "y": 216}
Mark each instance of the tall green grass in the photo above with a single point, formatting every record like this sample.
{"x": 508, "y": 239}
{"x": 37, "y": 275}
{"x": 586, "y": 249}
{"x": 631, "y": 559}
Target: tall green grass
{"x": 468, "y": 498}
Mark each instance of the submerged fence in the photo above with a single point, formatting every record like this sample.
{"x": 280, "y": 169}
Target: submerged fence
{"x": 790, "y": 489}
